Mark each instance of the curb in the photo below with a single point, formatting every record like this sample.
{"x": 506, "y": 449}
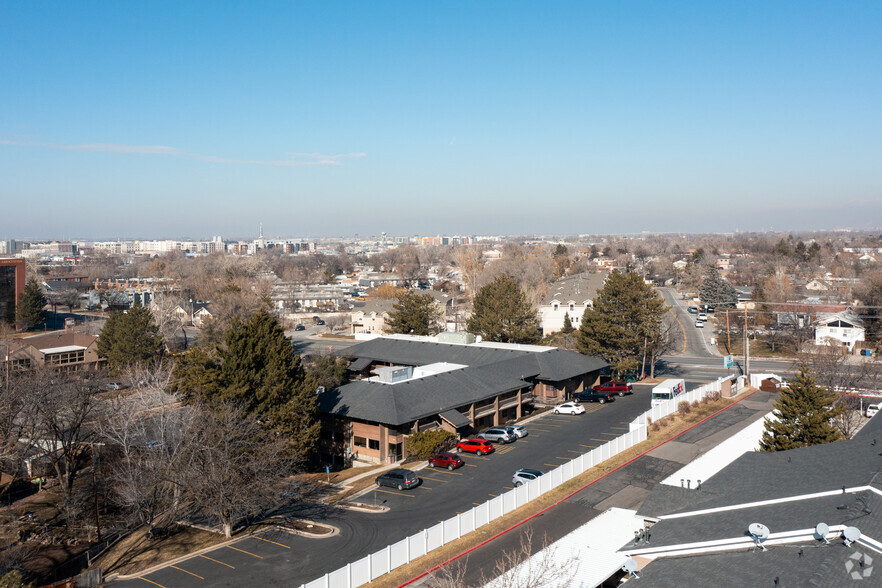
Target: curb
{"x": 570, "y": 495}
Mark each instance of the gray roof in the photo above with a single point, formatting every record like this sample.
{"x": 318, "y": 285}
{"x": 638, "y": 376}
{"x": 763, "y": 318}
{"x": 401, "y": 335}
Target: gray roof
{"x": 404, "y": 402}
{"x": 455, "y": 418}
{"x": 578, "y": 288}
{"x": 757, "y": 477}
{"x": 553, "y": 365}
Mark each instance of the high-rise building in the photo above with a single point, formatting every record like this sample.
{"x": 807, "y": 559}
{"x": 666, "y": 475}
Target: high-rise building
{"x": 12, "y": 283}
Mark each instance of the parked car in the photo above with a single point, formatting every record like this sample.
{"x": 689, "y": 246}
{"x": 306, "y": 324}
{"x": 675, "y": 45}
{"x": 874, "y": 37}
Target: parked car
{"x": 523, "y": 476}
{"x": 517, "y": 430}
{"x": 699, "y": 324}
{"x": 702, "y": 316}
{"x": 398, "y": 478}
{"x": 479, "y": 446}
{"x": 114, "y": 386}
{"x": 872, "y": 409}
{"x": 619, "y": 388}
{"x": 451, "y": 461}
{"x": 569, "y": 408}
{"x": 497, "y": 434}
{"x": 594, "y": 396}
{"x": 299, "y": 328}
{"x": 692, "y": 309}
{"x": 320, "y": 322}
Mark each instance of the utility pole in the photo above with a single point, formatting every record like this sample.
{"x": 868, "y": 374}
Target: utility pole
{"x": 746, "y": 348}
{"x": 728, "y": 334}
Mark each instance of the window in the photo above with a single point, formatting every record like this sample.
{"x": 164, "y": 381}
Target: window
{"x": 572, "y": 306}
{"x": 359, "y": 441}
{"x": 373, "y": 444}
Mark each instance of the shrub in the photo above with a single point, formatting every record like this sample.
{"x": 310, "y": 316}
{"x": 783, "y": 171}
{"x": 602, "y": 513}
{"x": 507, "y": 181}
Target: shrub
{"x": 695, "y": 405}
{"x": 423, "y": 445}
{"x": 683, "y": 407}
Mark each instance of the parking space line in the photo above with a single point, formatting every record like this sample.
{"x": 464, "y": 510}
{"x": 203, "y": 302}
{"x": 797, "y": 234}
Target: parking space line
{"x": 186, "y": 572}
{"x": 220, "y": 562}
{"x": 508, "y": 487}
{"x": 563, "y": 458}
{"x": 471, "y": 465}
{"x": 601, "y": 440}
{"x": 243, "y": 551}
{"x": 423, "y": 487}
{"x": 575, "y": 451}
{"x": 151, "y": 581}
{"x": 477, "y": 503}
{"x": 621, "y": 428}
{"x": 493, "y": 495}
{"x": 448, "y": 472}
{"x": 273, "y": 542}
{"x": 395, "y": 493}
{"x": 554, "y": 465}
{"x": 588, "y": 446}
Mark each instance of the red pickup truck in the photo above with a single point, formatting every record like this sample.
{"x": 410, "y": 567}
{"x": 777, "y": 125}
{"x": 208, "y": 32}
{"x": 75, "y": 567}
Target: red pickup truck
{"x": 620, "y": 388}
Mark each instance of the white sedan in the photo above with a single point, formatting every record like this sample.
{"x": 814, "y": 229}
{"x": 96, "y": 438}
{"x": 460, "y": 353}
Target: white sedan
{"x": 569, "y": 408}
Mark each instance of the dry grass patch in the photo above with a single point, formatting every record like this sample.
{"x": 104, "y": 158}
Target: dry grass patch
{"x": 136, "y": 552}
{"x": 667, "y": 428}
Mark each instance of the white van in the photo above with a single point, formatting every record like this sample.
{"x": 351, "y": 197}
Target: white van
{"x": 872, "y": 409}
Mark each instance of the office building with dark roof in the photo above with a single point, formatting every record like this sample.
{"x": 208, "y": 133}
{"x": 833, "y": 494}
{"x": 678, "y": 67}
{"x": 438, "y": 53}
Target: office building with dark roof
{"x": 414, "y": 384}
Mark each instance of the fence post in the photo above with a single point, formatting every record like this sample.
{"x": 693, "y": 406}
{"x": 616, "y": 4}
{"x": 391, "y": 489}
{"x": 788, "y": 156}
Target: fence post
{"x": 349, "y": 575}
{"x": 407, "y": 543}
{"x": 388, "y": 558}
{"x": 458, "y": 525}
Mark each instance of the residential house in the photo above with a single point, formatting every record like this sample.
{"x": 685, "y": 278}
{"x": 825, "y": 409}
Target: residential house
{"x": 68, "y": 351}
{"x": 843, "y": 329}
{"x": 569, "y": 296}
{"x": 451, "y": 382}
{"x": 369, "y": 317}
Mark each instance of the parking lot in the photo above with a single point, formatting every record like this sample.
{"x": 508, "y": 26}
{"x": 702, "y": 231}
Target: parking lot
{"x": 281, "y": 558}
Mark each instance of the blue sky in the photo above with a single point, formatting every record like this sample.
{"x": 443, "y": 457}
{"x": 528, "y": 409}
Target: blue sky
{"x": 172, "y": 119}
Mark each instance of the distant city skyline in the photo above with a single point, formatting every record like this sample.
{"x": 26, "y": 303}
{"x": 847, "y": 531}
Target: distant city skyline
{"x": 166, "y": 120}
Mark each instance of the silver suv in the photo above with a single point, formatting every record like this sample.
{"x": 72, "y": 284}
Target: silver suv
{"x": 523, "y": 476}
{"x": 497, "y": 435}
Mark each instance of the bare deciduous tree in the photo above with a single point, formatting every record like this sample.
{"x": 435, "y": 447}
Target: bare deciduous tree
{"x": 234, "y": 469}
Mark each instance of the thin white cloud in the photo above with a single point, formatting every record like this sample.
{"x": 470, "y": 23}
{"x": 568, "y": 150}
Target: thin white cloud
{"x": 291, "y": 160}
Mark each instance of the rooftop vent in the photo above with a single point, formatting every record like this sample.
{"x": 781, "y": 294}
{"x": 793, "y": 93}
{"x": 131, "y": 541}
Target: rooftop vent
{"x": 393, "y": 373}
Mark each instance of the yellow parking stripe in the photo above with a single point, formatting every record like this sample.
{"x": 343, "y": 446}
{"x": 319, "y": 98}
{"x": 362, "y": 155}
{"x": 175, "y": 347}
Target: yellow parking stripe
{"x": 243, "y": 551}
{"x": 493, "y": 495}
{"x": 395, "y": 493}
{"x": 588, "y": 446}
{"x": 220, "y": 562}
{"x": 273, "y": 542}
{"x": 554, "y": 465}
{"x": 151, "y": 581}
{"x": 621, "y": 428}
{"x": 449, "y": 473}
{"x": 471, "y": 465}
{"x": 575, "y": 451}
{"x": 186, "y": 572}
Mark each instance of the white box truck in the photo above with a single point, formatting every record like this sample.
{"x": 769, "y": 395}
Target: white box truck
{"x": 668, "y": 389}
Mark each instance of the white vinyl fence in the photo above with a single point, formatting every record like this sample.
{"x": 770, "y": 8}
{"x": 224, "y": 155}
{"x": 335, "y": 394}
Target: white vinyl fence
{"x": 398, "y": 554}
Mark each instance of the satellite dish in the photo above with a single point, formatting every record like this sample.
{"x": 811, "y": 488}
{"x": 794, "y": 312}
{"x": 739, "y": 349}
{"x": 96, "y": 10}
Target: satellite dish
{"x": 851, "y": 534}
{"x": 821, "y": 530}
{"x": 630, "y": 567}
{"x": 759, "y": 532}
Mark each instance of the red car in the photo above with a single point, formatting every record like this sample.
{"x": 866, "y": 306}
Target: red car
{"x": 620, "y": 388}
{"x": 451, "y": 461}
{"x": 479, "y": 446}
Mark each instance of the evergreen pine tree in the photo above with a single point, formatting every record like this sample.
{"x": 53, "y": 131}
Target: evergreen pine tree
{"x": 414, "y": 313}
{"x": 804, "y": 413}
{"x": 256, "y": 368}
{"x": 29, "y": 309}
{"x": 501, "y": 313}
{"x": 716, "y": 290}
{"x": 567, "y": 325}
{"x": 626, "y": 314}
{"x": 129, "y": 337}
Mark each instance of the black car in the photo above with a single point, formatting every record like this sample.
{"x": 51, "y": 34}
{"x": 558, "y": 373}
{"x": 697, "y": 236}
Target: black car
{"x": 299, "y": 328}
{"x": 320, "y": 322}
{"x": 398, "y": 478}
{"x": 594, "y": 396}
